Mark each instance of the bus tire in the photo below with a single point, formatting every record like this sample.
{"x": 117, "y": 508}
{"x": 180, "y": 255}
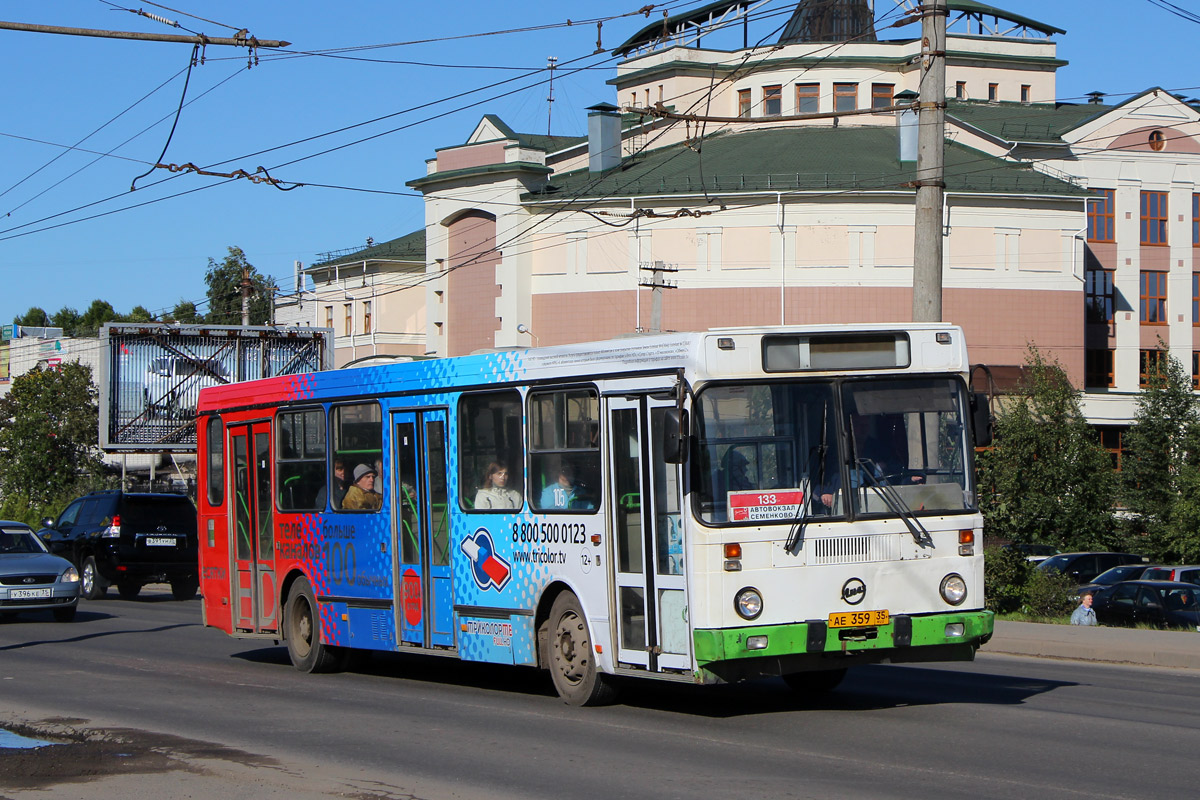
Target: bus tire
{"x": 819, "y": 682}
{"x": 571, "y": 659}
{"x": 303, "y": 632}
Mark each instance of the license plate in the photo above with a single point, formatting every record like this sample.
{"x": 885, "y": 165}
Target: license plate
{"x": 858, "y": 619}
{"x": 160, "y": 541}
{"x": 27, "y": 594}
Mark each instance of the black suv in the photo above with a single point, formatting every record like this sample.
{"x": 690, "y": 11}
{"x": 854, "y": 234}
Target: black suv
{"x": 1083, "y": 567}
{"x": 129, "y": 540}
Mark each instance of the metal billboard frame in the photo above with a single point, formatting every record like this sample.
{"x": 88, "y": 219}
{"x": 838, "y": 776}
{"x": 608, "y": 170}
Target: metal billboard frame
{"x": 151, "y": 375}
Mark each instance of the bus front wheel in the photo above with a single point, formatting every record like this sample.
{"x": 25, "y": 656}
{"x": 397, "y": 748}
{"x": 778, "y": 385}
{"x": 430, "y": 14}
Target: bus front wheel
{"x": 303, "y": 629}
{"x": 570, "y": 657}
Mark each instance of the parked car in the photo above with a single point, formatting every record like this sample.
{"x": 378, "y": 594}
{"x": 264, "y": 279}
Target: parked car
{"x": 173, "y": 384}
{"x": 1162, "y": 604}
{"x": 1083, "y": 567}
{"x": 1186, "y": 574}
{"x": 128, "y": 539}
{"x": 31, "y": 579}
{"x": 1125, "y": 572}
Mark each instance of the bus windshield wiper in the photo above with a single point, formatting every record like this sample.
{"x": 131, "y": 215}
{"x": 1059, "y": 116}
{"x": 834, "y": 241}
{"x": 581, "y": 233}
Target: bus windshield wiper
{"x": 796, "y": 534}
{"x": 894, "y": 501}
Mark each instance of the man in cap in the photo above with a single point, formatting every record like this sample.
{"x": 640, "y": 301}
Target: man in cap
{"x": 361, "y": 495}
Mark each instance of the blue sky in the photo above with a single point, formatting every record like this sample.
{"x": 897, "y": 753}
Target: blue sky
{"x": 117, "y": 99}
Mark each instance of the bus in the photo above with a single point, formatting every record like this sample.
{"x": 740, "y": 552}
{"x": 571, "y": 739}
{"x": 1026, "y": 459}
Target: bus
{"x": 698, "y": 507}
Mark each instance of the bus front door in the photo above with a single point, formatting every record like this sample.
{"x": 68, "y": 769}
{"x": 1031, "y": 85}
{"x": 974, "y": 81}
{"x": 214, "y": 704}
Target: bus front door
{"x": 651, "y": 601}
{"x": 421, "y": 529}
{"x": 255, "y": 602}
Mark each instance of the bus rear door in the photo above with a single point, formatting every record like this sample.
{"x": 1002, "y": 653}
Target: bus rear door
{"x": 651, "y": 600}
{"x": 421, "y": 529}
{"x": 254, "y": 591}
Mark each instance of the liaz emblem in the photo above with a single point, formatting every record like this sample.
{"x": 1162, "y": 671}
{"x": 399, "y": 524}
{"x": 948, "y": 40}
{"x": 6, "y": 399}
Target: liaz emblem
{"x": 488, "y": 569}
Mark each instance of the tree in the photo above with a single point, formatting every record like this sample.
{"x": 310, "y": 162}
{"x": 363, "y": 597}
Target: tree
{"x": 66, "y": 318}
{"x": 1161, "y": 470}
{"x": 224, "y": 279}
{"x": 139, "y": 314}
{"x": 1046, "y": 478}
{"x": 35, "y": 317}
{"x": 49, "y": 427}
{"x": 98, "y": 313}
{"x": 185, "y": 313}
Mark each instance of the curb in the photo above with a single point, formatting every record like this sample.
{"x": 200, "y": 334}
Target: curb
{"x": 1176, "y": 649}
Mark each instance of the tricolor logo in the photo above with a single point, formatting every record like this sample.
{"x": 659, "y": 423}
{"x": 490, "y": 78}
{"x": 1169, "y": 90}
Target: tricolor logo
{"x": 488, "y": 569}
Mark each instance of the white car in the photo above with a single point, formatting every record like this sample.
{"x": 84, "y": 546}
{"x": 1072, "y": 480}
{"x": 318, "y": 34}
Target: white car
{"x": 173, "y": 384}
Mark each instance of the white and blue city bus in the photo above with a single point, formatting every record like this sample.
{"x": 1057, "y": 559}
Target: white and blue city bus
{"x": 697, "y": 507}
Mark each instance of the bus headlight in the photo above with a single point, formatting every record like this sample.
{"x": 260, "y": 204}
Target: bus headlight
{"x": 953, "y": 589}
{"x": 748, "y": 603}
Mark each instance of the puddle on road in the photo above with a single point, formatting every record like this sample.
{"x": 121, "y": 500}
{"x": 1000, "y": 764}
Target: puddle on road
{"x": 14, "y": 741}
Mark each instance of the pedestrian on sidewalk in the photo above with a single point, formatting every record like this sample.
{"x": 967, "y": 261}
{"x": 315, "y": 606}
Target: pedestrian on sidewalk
{"x": 1084, "y": 615}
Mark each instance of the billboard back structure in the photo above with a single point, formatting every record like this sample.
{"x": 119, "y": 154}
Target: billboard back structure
{"x": 151, "y": 375}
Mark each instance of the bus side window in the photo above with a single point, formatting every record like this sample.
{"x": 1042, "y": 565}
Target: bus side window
{"x": 357, "y": 432}
{"x": 491, "y": 452}
{"x": 300, "y": 460}
{"x": 215, "y": 453}
{"x": 564, "y": 450}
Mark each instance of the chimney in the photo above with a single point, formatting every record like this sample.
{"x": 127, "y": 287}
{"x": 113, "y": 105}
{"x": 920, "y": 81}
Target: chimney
{"x": 906, "y": 122}
{"x": 604, "y": 137}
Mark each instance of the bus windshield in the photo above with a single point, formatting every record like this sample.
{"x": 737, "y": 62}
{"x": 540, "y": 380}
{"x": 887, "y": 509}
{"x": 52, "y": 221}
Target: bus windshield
{"x": 825, "y": 449}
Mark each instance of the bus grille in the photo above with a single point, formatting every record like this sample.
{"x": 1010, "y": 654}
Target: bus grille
{"x": 856, "y": 549}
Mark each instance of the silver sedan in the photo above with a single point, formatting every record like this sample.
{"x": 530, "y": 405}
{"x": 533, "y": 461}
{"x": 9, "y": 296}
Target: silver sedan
{"x": 33, "y": 580}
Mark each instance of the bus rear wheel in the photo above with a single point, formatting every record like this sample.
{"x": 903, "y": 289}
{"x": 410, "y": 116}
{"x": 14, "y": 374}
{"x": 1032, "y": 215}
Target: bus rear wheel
{"x": 819, "y": 682}
{"x": 570, "y": 657}
{"x": 303, "y": 631}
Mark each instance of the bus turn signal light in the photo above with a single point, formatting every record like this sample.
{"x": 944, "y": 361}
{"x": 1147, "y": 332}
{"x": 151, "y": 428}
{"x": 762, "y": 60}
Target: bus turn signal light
{"x": 733, "y": 550}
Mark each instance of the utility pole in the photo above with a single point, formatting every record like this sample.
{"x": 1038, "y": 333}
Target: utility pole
{"x": 930, "y": 182}
{"x": 656, "y": 284}
{"x": 552, "y": 62}
{"x": 245, "y": 297}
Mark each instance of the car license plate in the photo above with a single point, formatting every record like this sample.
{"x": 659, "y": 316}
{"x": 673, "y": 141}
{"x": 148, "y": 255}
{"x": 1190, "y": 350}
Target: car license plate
{"x": 858, "y": 619}
{"x": 27, "y": 594}
{"x": 160, "y": 541}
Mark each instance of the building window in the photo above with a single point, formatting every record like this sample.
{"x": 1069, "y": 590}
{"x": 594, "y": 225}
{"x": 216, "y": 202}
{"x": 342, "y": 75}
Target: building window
{"x": 1112, "y": 439}
{"x": 366, "y": 316}
{"x": 881, "y": 94}
{"x": 845, "y": 96}
{"x": 1154, "y": 298}
{"x": 1195, "y": 370}
{"x": 1157, "y": 141}
{"x": 743, "y": 102}
{"x": 1101, "y": 216}
{"x": 1153, "y": 366}
{"x": 1025, "y": 92}
{"x": 808, "y": 98}
{"x": 960, "y": 90}
{"x": 1098, "y": 368}
{"x": 329, "y": 317}
{"x": 1196, "y": 220}
{"x": 349, "y": 319}
{"x": 1196, "y": 298}
{"x": 1154, "y": 218}
{"x": 772, "y": 101}
{"x": 1098, "y": 297}
{"x": 993, "y": 91}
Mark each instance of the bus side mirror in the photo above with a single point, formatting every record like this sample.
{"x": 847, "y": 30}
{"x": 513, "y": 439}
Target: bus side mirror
{"x": 981, "y": 419}
{"x": 675, "y": 436}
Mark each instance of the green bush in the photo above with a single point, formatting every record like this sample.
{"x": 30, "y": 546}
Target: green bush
{"x": 1049, "y": 594}
{"x": 1005, "y": 574}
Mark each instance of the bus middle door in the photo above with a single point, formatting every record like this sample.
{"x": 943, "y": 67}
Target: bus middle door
{"x": 254, "y": 590}
{"x": 652, "y": 607}
{"x": 421, "y": 529}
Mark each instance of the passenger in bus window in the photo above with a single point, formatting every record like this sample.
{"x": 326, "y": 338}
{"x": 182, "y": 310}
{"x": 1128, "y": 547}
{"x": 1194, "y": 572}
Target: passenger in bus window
{"x": 339, "y": 485}
{"x": 361, "y": 495}
{"x": 378, "y": 477}
{"x": 563, "y": 492}
{"x": 493, "y": 491}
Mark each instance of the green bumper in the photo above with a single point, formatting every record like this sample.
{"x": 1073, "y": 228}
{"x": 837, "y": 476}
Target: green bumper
{"x": 905, "y": 632}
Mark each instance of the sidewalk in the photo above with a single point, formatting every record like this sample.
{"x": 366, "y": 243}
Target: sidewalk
{"x": 1180, "y": 649}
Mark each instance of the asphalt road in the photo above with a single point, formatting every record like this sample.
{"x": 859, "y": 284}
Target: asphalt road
{"x": 156, "y": 705}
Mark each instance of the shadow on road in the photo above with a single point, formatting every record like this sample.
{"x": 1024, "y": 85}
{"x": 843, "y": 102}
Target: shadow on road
{"x": 866, "y": 688}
